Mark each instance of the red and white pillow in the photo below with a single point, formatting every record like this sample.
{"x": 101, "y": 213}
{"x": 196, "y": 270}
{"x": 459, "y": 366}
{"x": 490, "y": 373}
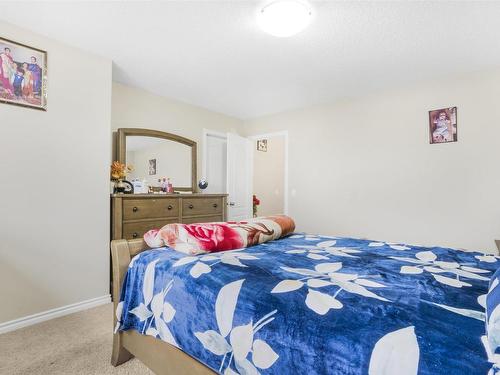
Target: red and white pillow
{"x": 213, "y": 237}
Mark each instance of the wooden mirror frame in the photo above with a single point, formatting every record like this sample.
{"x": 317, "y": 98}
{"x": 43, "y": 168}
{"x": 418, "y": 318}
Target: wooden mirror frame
{"x": 121, "y": 149}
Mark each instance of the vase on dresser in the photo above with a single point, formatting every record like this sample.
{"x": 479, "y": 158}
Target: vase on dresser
{"x": 119, "y": 187}
{"x": 123, "y": 187}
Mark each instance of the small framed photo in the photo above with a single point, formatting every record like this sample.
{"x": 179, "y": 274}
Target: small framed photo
{"x": 23, "y": 75}
{"x": 152, "y": 167}
{"x": 262, "y": 145}
{"x": 443, "y": 125}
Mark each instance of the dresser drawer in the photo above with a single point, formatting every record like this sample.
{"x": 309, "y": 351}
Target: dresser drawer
{"x": 137, "y": 229}
{"x": 150, "y": 208}
{"x": 201, "y": 206}
{"x": 205, "y": 219}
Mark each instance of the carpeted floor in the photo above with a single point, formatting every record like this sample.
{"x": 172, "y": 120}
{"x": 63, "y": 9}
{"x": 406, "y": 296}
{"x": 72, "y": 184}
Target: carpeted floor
{"x": 74, "y": 344}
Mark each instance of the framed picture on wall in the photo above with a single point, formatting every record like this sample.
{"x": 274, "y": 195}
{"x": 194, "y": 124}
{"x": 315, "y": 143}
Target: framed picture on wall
{"x": 443, "y": 125}
{"x": 152, "y": 167}
{"x": 262, "y": 145}
{"x": 23, "y": 75}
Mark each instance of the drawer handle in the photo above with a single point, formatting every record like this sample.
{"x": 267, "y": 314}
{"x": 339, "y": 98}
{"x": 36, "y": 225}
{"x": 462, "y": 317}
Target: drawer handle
{"x": 135, "y": 235}
{"x": 215, "y": 205}
{"x": 135, "y": 209}
{"x": 169, "y": 207}
{"x": 191, "y": 206}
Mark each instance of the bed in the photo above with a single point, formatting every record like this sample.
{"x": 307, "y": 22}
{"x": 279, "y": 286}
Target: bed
{"x": 302, "y": 304}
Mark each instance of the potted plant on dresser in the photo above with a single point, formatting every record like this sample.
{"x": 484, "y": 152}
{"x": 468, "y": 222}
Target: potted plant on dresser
{"x": 119, "y": 172}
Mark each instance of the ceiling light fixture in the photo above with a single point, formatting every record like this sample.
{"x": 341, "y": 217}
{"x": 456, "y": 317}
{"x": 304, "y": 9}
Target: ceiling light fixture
{"x": 284, "y": 18}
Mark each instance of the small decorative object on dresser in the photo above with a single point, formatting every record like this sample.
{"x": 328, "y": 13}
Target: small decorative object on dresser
{"x": 203, "y": 184}
{"x": 118, "y": 173}
{"x": 134, "y": 215}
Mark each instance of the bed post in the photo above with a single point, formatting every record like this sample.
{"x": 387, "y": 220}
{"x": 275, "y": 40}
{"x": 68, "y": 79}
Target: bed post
{"x": 120, "y": 257}
{"x": 498, "y": 246}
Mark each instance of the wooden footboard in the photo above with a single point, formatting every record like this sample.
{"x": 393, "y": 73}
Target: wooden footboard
{"x": 161, "y": 357}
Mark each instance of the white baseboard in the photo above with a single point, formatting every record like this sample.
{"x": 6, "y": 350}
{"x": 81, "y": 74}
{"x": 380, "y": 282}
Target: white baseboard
{"x": 54, "y": 313}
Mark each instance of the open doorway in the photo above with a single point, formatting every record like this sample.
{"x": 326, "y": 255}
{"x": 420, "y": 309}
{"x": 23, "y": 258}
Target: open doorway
{"x": 232, "y": 164}
{"x": 270, "y": 172}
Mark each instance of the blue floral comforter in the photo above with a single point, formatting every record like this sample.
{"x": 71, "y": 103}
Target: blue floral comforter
{"x": 316, "y": 305}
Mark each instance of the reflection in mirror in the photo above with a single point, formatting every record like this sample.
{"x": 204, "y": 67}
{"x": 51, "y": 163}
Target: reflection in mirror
{"x": 154, "y": 158}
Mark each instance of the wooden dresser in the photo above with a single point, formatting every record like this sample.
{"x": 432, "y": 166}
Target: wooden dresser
{"x": 132, "y": 215}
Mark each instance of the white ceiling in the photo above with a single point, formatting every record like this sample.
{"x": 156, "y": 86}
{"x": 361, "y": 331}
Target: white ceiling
{"x": 212, "y": 54}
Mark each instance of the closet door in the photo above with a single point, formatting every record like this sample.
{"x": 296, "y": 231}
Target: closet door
{"x": 239, "y": 177}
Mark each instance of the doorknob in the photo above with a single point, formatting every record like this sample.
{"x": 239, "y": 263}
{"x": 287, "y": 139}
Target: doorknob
{"x": 232, "y": 203}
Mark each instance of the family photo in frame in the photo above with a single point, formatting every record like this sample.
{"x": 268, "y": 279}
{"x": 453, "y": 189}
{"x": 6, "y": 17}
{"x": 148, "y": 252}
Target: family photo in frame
{"x": 23, "y": 74}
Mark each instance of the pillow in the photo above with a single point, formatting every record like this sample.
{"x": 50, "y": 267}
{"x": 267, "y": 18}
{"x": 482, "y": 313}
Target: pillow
{"x": 493, "y": 313}
{"x": 212, "y": 237}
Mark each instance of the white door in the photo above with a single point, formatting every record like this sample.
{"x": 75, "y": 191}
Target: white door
{"x": 215, "y": 168}
{"x": 239, "y": 177}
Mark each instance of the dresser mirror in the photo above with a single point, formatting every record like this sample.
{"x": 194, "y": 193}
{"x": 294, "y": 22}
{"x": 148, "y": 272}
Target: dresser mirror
{"x": 156, "y": 155}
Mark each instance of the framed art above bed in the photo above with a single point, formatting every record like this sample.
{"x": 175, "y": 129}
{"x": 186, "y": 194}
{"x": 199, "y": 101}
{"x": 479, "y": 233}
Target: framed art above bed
{"x": 443, "y": 125}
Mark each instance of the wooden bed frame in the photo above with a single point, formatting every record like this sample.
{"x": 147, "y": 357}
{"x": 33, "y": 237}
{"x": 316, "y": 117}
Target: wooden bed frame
{"x": 161, "y": 357}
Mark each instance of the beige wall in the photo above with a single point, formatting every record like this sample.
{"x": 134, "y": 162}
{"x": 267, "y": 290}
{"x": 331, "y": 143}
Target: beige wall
{"x": 54, "y": 224}
{"x": 268, "y": 176}
{"x": 136, "y": 108}
{"x": 364, "y": 167}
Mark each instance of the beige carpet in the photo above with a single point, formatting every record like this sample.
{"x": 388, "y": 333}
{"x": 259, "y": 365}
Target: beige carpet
{"x": 74, "y": 344}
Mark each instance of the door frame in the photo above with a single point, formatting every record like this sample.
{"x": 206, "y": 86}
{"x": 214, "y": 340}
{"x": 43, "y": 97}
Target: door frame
{"x": 282, "y": 133}
{"x": 207, "y": 133}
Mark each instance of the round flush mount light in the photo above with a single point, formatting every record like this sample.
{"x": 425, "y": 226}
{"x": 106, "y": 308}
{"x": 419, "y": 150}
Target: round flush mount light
{"x": 284, "y": 18}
